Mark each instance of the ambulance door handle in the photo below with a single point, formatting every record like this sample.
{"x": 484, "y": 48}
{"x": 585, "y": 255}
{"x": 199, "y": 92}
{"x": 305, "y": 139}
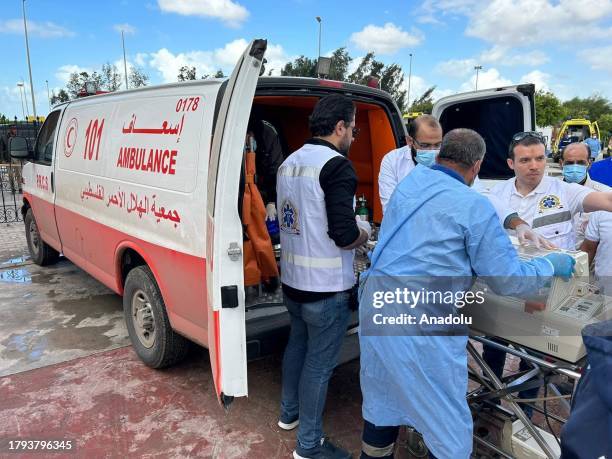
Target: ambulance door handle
{"x": 52, "y": 184}
{"x": 234, "y": 251}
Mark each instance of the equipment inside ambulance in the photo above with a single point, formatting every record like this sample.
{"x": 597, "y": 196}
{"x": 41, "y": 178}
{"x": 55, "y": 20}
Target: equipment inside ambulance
{"x": 153, "y": 193}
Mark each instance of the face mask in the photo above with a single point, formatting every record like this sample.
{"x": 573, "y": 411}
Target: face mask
{"x": 426, "y": 157}
{"x": 574, "y": 173}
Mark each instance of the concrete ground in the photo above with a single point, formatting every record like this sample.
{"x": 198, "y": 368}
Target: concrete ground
{"x": 67, "y": 372}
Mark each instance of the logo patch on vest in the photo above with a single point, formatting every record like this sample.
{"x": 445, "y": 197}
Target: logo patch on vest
{"x": 289, "y": 218}
{"x": 549, "y": 202}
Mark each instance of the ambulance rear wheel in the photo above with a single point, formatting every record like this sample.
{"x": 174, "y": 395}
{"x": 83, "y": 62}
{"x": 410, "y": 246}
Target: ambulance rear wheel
{"x": 152, "y": 337}
{"x": 42, "y": 253}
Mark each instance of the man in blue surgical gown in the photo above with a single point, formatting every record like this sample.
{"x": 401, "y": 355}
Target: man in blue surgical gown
{"x": 437, "y": 233}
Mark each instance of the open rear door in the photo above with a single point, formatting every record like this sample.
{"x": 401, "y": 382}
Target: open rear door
{"x": 224, "y": 266}
{"x": 496, "y": 114}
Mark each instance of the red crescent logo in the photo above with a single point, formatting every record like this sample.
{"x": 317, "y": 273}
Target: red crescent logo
{"x": 70, "y": 137}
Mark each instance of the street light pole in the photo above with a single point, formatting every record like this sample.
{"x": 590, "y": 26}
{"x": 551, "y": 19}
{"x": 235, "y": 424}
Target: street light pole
{"x": 25, "y": 28}
{"x": 318, "y": 18}
{"x": 124, "y": 61}
{"x": 409, "y": 78}
{"x": 477, "y": 68}
{"x": 20, "y": 85}
{"x": 48, "y": 96}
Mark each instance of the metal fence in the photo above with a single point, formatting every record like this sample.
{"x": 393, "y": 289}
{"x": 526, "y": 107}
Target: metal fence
{"x": 10, "y": 193}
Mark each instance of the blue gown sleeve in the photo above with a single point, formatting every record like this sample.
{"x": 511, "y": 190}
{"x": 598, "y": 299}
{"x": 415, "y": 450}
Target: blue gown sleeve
{"x": 494, "y": 258}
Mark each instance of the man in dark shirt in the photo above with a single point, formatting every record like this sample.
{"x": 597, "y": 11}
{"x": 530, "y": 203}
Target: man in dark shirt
{"x": 315, "y": 196}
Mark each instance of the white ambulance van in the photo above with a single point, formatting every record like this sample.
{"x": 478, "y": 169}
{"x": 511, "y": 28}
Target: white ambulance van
{"x": 141, "y": 189}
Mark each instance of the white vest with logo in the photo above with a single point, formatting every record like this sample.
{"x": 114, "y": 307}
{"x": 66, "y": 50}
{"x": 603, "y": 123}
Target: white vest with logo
{"x": 310, "y": 260}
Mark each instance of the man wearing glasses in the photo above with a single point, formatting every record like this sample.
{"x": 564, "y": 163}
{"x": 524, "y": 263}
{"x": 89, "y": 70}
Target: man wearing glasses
{"x": 547, "y": 204}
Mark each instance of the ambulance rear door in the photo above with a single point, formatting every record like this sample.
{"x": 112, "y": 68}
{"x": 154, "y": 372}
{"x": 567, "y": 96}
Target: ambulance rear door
{"x": 224, "y": 265}
{"x": 496, "y": 114}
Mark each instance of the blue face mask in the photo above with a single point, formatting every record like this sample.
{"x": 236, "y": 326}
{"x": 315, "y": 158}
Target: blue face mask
{"x": 574, "y": 173}
{"x": 426, "y": 157}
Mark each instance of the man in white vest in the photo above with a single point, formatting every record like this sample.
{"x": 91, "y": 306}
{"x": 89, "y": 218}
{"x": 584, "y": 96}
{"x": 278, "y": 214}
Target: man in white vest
{"x": 318, "y": 231}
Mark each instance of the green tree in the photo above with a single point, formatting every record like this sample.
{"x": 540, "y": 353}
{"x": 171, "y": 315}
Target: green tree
{"x": 111, "y": 80}
{"x": 4, "y": 119}
{"x": 138, "y": 78}
{"x": 61, "y": 96}
{"x": 340, "y": 61}
{"x": 392, "y": 80}
{"x": 605, "y": 125}
{"x": 592, "y": 107}
{"x": 186, "y": 73}
{"x": 302, "y": 66}
{"x": 548, "y": 109}
{"x": 219, "y": 74}
{"x": 424, "y": 103}
{"x": 76, "y": 82}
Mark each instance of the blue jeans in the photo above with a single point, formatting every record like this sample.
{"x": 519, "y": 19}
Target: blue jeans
{"x": 317, "y": 331}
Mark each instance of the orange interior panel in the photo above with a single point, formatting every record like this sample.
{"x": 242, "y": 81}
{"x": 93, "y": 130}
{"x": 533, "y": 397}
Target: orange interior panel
{"x": 289, "y": 115}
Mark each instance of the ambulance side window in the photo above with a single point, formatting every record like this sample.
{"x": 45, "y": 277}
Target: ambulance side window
{"x": 43, "y": 151}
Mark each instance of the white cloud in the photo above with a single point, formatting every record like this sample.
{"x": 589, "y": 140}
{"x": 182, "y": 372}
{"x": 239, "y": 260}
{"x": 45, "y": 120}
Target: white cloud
{"x": 598, "y": 58}
{"x": 45, "y": 29}
{"x": 503, "y": 55}
{"x": 231, "y": 13}
{"x": 208, "y": 62}
{"x": 487, "y": 79}
{"x": 539, "y": 78}
{"x": 456, "y": 68}
{"x": 126, "y": 28}
{"x": 63, "y": 73}
{"x": 532, "y": 22}
{"x": 141, "y": 59}
{"x": 385, "y": 40}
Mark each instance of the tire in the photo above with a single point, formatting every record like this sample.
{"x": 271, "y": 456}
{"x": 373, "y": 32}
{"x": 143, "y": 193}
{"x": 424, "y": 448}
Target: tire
{"x": 151, "y": 334}
{"x": 41, "y": 253}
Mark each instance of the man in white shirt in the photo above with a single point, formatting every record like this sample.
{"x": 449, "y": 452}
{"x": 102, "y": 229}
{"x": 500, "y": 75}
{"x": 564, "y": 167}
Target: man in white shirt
{"x": 547, "y": 204}
{"x": 576, "y": 165}
{"x": 422, "y": 147}
{"x": 598, "y": 244}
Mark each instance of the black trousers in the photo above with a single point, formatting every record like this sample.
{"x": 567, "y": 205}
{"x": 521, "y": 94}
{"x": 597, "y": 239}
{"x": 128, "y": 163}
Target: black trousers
{"x": 379, "y": 439}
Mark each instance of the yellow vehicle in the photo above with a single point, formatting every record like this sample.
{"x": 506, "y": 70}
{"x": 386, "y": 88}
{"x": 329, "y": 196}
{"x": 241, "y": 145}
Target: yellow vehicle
{"x": 411, "y": 115}
{"x": 572, "y": 130}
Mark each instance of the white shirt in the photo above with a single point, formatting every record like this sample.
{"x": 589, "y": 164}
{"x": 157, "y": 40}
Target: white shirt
{"x": 548, "y": 209}
{"x": 394, "y": 167}
{"x": 398, "y": 163}
{"x": 600, "y": 230}
{"x": 581, "y": 220}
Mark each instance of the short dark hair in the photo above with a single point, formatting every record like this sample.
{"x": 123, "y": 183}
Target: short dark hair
{"x": 415, "y": 124}
{"x": 526, "y": 141}
{"x": 328, "y": 111}
{"x": 574, "y": 144}
{"x": 463, "y": 147}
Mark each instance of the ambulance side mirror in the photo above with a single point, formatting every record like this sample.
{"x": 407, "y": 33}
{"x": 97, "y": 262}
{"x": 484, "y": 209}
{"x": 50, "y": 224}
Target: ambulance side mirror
{"x": 18, "y": 148}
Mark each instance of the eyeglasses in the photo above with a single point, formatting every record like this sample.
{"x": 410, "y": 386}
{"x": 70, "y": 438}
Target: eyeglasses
{"x": 527, "y": 134}
{"x": 427, "y": 146}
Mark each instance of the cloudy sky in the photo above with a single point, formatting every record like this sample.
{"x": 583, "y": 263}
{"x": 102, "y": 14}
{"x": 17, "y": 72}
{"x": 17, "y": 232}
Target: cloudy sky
{"x": 564, "y": 46}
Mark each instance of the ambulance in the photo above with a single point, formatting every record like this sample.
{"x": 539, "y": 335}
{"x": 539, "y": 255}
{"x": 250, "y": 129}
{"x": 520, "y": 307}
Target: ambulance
{"x": 142, "y": 189}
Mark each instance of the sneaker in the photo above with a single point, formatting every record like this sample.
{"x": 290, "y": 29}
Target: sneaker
{"x": 326, "y": 450}
{"x": 289, "y": 423}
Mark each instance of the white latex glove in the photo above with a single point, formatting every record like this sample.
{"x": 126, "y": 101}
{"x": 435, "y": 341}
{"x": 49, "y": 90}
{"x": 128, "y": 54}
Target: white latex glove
{"x": 362, "y": 224}
{"x": 525, "y": 235}
{"x": 271, "y": 211}
{"x": 362, "y": 250}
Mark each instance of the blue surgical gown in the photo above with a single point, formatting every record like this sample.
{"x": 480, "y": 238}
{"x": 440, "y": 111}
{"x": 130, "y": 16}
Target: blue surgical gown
{"x": 435, "y": 225}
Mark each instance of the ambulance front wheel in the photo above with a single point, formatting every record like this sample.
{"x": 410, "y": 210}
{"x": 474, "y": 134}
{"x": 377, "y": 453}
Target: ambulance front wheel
{"x": 42, "y": 253}
{"x": 152, "y": 337}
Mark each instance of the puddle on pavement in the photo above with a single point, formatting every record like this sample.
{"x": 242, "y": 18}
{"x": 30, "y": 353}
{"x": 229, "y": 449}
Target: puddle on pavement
{"x": 20, "y": 276}
{"x": 30, "y": 345}
{"x": 16, "y": 261}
